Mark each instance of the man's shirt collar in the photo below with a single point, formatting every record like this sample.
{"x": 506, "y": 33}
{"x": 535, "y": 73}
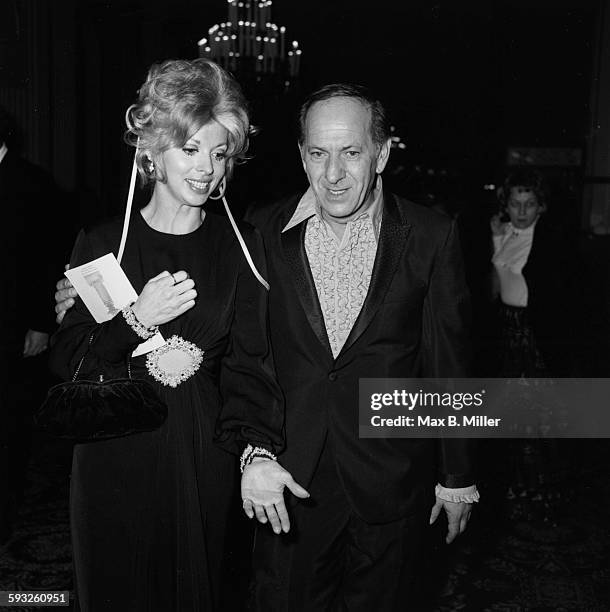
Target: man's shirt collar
{"x": 308, "y": 207}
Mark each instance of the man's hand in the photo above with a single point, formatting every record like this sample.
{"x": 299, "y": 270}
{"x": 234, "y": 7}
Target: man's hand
{"x": 64, "y": 297}
{"x": 35, "y": 343}
{"x": 262, "y": 492}
{"x": 458, "y": 514}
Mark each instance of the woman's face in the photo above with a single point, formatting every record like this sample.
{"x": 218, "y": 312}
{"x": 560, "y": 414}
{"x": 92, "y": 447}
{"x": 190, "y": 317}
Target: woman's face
{"x": 523, "y": 207}
{"x": 194, "y": 171}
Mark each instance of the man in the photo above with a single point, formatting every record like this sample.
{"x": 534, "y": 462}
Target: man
{"x": 363, "y": 284}
{"x": 25, "y": 189}
{"x": 28, "y": 198}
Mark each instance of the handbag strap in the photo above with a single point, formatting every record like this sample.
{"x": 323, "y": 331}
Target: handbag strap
{"x": 132, "y": 184}
{"x": 80, "y": 363}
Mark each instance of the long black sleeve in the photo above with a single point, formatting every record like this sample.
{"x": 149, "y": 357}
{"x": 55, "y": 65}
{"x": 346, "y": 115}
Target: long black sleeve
{"x": 446, "y": 326}
{"x": 253, "y": 409}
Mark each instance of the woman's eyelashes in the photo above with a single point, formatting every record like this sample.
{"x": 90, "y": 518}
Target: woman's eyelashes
{"x": 217, "y": 155}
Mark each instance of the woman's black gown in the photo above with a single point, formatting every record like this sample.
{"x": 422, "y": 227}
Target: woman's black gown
{"x": 148, "y": 511}
{"x": 540, "y": 341}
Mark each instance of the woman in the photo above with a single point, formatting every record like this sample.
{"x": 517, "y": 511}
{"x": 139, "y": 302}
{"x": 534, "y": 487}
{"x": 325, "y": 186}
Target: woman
{"x": 534, "y": 264}
{"x": 535, "y": 279}
{"x": 148, "y": 511}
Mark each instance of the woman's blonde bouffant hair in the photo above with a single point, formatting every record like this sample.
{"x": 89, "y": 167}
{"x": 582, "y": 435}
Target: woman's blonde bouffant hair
{"x": 177, "y": 99}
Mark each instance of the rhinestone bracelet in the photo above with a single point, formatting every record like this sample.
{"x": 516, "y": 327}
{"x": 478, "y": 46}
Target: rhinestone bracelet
{"x": 144, "y": 332}
{"x": 250, "y": 452}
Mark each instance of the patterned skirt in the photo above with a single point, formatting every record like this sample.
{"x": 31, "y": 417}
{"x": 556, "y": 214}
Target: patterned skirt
{"x": 519, "y": 355}
{"x": 535, "y": 466}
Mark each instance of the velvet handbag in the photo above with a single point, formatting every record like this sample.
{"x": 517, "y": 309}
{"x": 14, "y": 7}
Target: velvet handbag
{"x": 90, "y": 410}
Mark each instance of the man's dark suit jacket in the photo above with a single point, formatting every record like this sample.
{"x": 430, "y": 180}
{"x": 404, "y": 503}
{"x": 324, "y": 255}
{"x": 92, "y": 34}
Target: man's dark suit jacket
{"x": 413, "y": 323}
{"x": 30, "y": 257}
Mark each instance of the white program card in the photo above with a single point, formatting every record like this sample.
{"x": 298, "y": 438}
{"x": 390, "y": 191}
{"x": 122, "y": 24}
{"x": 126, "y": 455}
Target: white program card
{"x": 105, "y": 290}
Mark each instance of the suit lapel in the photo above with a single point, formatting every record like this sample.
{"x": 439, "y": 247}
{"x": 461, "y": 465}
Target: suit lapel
{"x": 392, "y": 238}
{"x": 293, "y": 245}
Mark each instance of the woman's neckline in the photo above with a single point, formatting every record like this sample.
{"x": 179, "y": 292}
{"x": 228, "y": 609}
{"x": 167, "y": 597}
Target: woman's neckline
{"x": 194, "y": 232}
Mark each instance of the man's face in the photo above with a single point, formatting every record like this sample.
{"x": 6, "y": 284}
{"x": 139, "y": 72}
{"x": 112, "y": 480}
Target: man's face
{"x": 523, "y": 207}
{"x": 340, "y": 158}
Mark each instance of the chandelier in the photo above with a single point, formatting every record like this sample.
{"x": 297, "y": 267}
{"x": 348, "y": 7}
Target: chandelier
{"x": 249, "y": 43}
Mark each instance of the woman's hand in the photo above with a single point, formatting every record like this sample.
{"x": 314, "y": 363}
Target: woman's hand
{"x": 497, "y": 227}
{"x": 165, "y": 297}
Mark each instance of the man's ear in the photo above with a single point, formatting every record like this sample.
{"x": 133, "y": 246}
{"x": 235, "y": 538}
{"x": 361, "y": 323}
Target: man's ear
{"x": 383, "y": 155}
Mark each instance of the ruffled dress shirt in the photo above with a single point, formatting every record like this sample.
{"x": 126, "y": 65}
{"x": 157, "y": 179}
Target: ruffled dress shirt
{"x": 341, "y": 267}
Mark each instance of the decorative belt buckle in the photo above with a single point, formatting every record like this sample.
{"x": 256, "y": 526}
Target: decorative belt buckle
{"x": 174, "y": 362}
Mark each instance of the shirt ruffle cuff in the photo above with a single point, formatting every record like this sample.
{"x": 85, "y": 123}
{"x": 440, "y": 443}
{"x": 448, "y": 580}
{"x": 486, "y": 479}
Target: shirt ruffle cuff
{"x": 470, "y": 495}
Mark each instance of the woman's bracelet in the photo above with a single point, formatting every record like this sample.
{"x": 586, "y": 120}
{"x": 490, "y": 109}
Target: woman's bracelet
{"x": 250, "y": 452}
{"x": 144, "y": 332}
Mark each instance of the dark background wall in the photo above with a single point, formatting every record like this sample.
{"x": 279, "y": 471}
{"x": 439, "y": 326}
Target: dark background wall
{"x": 463, "y": 81}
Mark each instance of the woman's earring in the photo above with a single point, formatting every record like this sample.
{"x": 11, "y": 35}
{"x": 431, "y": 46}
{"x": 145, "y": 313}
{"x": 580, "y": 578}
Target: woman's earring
{"x": 150, "y": 167}
{"x": 221, "y": 189}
